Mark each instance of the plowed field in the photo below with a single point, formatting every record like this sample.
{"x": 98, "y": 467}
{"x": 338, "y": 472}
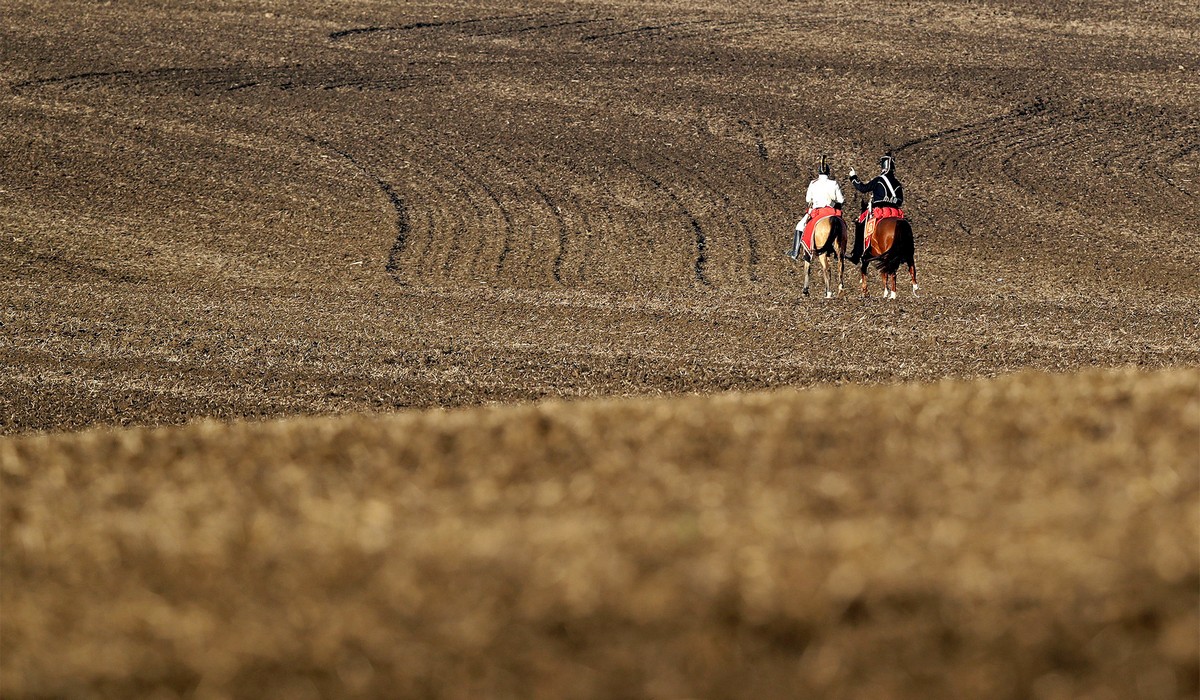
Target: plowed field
{"x": 240, "y": 209}
{"x": 246, "y": 209}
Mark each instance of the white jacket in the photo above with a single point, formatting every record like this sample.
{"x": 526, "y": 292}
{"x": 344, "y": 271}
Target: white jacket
{"x": 823, "y": 192}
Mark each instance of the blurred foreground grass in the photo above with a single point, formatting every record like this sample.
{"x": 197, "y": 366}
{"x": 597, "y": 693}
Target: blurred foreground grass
{"x": 1031, "y": 536}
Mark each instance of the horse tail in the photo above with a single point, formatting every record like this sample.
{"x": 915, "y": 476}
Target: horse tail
{"x": 837, "y": 231}
{"x": 905, "y": 245}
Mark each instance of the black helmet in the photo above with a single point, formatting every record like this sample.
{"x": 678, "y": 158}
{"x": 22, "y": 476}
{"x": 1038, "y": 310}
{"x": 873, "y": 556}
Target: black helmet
{"x": 824, "y": 169}
{"x": 886, "y": 163}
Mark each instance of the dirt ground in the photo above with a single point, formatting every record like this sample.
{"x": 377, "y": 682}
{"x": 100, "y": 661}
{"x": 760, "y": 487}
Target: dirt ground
{"x": 249, "y": 209}
{"x": 243, "y": 209}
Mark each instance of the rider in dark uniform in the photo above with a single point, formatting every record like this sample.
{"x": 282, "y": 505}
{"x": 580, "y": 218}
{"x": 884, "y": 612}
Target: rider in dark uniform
{"x": 885, "y": 191}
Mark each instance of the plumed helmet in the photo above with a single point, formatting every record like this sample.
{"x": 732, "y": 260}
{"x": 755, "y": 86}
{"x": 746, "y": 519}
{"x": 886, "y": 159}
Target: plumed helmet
{"x": 886, "y": 163}
{"x": 824, "y": 169}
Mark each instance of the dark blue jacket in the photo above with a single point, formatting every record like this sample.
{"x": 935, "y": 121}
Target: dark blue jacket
{"x": 885, "y": 189}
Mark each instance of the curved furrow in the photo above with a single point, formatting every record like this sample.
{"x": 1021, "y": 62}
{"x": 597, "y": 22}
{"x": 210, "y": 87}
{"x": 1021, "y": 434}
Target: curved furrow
{"x": 700, "y": 259}
{"x": 712, "y": 182}
{"x": 1125, "y": 156}
{"x": 445, "y": 207}
{"x": 705, "y": 188}
{"x": 359, "y": 32}
{"x": 759, "y": 144}
{"x": 1152, "y": 161}
{"x": 547, "y": 26}
{"x": 968, "y": 143}
{"x": 634, "y": 232}
{"x": 562, "y": 232}
{"x": 755, "y": 174}
{"x": 975, "y": 148}
{"x": 1178, "y": 156}
{"x": 467, "y": 216}
{"x": 983, "y": 126}
{"x": 477, "y": 179}
{"x": 585, "y": 240}
{"x": 534, "y": 197}
{"x": 593, "y": 182}
{"x": 1015, "y": 148}
{"x": 1059, "y": 145}
{"x": 650, "y": 32}
{"x": 712, "y": 30}
{"x": 236, "y": 78}
{"x": 399, "y": 209}
{"x": 89, "y": 78}
{"x": 500, "y": 185}
{"x": 421, "y": 236}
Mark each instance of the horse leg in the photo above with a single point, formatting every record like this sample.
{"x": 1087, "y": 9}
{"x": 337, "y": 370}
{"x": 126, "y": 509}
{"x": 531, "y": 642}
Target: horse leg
{"x": 839, "y": 249}
{"x": 825, "y": 273}
{"x": 807, "y": 264}
{"x": 884, "y": 275}
{"x": 912, "y": 269}
{"x": 893, "y": 275}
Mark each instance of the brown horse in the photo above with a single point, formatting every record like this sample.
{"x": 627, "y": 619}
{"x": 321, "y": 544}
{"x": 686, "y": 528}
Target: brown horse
{"x": 891, "y": 245}
{"x": 829, "y": 238}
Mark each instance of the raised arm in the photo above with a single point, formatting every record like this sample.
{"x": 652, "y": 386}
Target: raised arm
{"x": 859, "y": 185}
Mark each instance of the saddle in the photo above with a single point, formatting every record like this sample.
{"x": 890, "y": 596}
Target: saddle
{"x": 882, "y": 212}
{"x": 877, "y": 214}
{"x": 817, "y": 215}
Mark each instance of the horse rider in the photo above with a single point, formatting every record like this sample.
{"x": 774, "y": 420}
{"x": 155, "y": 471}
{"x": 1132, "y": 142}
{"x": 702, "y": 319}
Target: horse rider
{"x": 822, "y": 192}
{"x": 886, "y": 191}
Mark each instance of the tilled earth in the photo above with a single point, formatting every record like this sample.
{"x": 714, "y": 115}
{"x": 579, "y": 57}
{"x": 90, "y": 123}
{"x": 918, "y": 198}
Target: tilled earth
{"x": 240, "y": 209}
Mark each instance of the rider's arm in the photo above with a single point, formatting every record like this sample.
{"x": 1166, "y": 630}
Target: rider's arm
{"x": 862, "y": 186}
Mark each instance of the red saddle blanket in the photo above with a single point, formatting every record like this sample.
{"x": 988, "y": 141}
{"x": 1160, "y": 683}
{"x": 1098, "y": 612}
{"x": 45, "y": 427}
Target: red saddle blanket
{"x": 815, "y": 216}
{"x": 882, "y": 213}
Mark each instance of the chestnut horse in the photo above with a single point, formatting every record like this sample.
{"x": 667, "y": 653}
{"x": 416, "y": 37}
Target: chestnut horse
{"x": 891, "y": 245}
{"x": 829, "y": 238}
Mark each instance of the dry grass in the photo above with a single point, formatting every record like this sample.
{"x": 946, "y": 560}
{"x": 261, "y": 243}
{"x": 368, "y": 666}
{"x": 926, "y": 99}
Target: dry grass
{"x": 1032, "y": 536}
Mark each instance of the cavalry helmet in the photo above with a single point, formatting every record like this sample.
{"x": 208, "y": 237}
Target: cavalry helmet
{"x": 886, "y": 164}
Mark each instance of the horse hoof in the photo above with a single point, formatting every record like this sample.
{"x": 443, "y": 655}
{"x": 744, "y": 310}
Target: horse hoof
{"x": 806, "y": 291}
{"x": 828, "y": 295}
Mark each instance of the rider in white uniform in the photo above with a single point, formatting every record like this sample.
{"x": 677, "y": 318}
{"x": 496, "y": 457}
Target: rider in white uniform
{"x": 822, "y": 192}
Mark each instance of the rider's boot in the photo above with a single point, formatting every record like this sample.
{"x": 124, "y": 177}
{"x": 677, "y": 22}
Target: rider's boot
{"x": 794, "y": 253}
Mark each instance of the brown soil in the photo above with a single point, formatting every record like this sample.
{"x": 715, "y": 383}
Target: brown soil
{"x": 239, "y": 209}
{"x": 1027, "y": 537}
